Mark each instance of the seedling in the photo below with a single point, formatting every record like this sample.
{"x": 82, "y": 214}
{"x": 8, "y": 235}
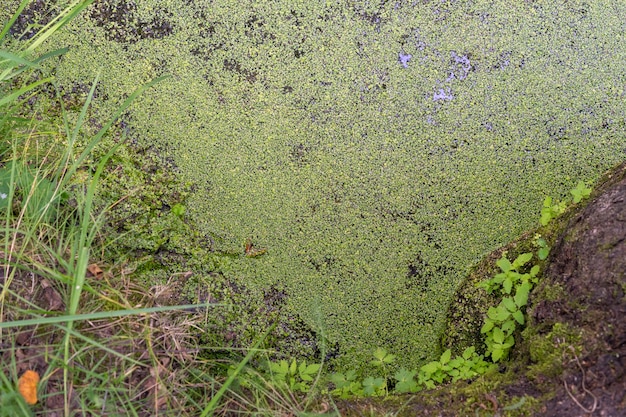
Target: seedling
{"x": 580, "y": 192}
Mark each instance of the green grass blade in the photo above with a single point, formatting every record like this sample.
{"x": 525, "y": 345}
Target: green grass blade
{"x": 102, "y": 315}
{"x": 210, "y": 407}
{"x": 11, "y": 97}
{"x": 13, "y": 18}
{"x": 106, "y": 127}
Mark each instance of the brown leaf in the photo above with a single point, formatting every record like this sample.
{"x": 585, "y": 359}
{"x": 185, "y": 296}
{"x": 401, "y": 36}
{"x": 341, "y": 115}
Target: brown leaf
{"x": 95, "y": 271}
{"x": 251, "y": 251}
{"x": 53, "y": 300}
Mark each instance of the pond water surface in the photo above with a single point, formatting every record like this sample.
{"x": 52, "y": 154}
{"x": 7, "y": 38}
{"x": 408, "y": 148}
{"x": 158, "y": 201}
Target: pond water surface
{"x": 375, "y": 149}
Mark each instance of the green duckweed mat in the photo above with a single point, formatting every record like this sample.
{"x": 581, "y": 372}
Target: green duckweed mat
{"x": 375, "y": 149}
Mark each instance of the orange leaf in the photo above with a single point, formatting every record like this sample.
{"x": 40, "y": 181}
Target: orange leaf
{"x": 27, "y": 386}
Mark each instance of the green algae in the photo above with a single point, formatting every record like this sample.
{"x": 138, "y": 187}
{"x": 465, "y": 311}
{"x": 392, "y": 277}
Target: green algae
{"x": 301, "y": 131}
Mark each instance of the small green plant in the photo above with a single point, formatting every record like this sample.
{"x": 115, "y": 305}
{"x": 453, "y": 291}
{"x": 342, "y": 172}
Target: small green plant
{"x": 468, "y": 365}
{"x": 178, "y": 210}
{"x": 501, "y": 321}
{"x": 511, "y": 274}
{"x": 346, "y": 384}
{"x": 513, "y": 283}
{"x": 543, "y": 250}
{"x": 580, "y": 193}
{"x": 293, "y": 376}
{"x": 405, "y": 381}
{"x": 550, "y": 211}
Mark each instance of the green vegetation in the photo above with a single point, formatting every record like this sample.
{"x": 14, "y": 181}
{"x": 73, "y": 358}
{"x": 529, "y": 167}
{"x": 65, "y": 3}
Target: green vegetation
{"x": 336, "y": 204}
{"x": 502, "y": 323}
{"x": 61, "y": 317}
{"x": 298, "y": 128}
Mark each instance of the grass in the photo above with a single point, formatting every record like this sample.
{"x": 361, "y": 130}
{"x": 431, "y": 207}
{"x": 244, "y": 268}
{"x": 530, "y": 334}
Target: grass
{"x": 95, "y": 350}
{"x": 100, "y": 342}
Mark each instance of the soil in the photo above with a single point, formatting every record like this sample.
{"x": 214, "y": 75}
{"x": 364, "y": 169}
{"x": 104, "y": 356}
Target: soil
{"x": 589, "y": 264}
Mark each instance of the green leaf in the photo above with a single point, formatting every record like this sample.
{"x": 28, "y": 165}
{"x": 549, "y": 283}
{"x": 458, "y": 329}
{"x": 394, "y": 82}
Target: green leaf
{"x": 406, "y": 386}
{"x": 431, "y": 367}
{"x": 499, "y": 278}
{"x": 405, "y": 383}
{"x": 404, "y": 375}
{"x": 502, "y": 313}
{"x": 280, "y": 368}
{"x": 338, "y": 379}
{"x": 492, "y": 313}
{"x": 498, "y": 335}
{"x": 486, "y": 327}
{"x": 178, "y": 209}
{"x": 522, "y": 260}
{"x": 445, "y": 357}
{"x": 519, "y": 317}
{"x": 534, "y": 270}
{"x": 543, "y": 253}
{"x": 521, "y": 294}
{"x": 455, "y": 363}
{"x": 581, "y": 191}
{"x": 497, "y": 354}
{"x": 507, "y": 285}
{"x": 389, "y": 358}
{"x": 510, "y": 341}
{"x": 504, "y": 264}
{"x": 371, "y": 385}
{"x": 508, "y": 326}
{"x": 545, "y": 218}
{"x": 467, "y": 353}
{"x": 380, "y": 354}
{"x": 547, "y": 202}
{"x": 292, "y": 368}
{"x": 509, "y": 304}
{"x": 382, "y": 357}
{"x": 312, "y": 369}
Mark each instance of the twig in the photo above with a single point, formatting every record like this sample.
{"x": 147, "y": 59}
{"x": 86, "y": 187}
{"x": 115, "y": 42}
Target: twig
{"x": 595, "y": 399}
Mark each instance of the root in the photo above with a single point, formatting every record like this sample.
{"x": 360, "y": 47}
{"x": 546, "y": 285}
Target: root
{"x": 595, "y": 399}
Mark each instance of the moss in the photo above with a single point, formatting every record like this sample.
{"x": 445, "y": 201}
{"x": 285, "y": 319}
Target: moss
{"x": 547, "y": 350}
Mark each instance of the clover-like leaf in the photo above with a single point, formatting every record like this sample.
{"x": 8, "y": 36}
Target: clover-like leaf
{"x": 371, "y": 385}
